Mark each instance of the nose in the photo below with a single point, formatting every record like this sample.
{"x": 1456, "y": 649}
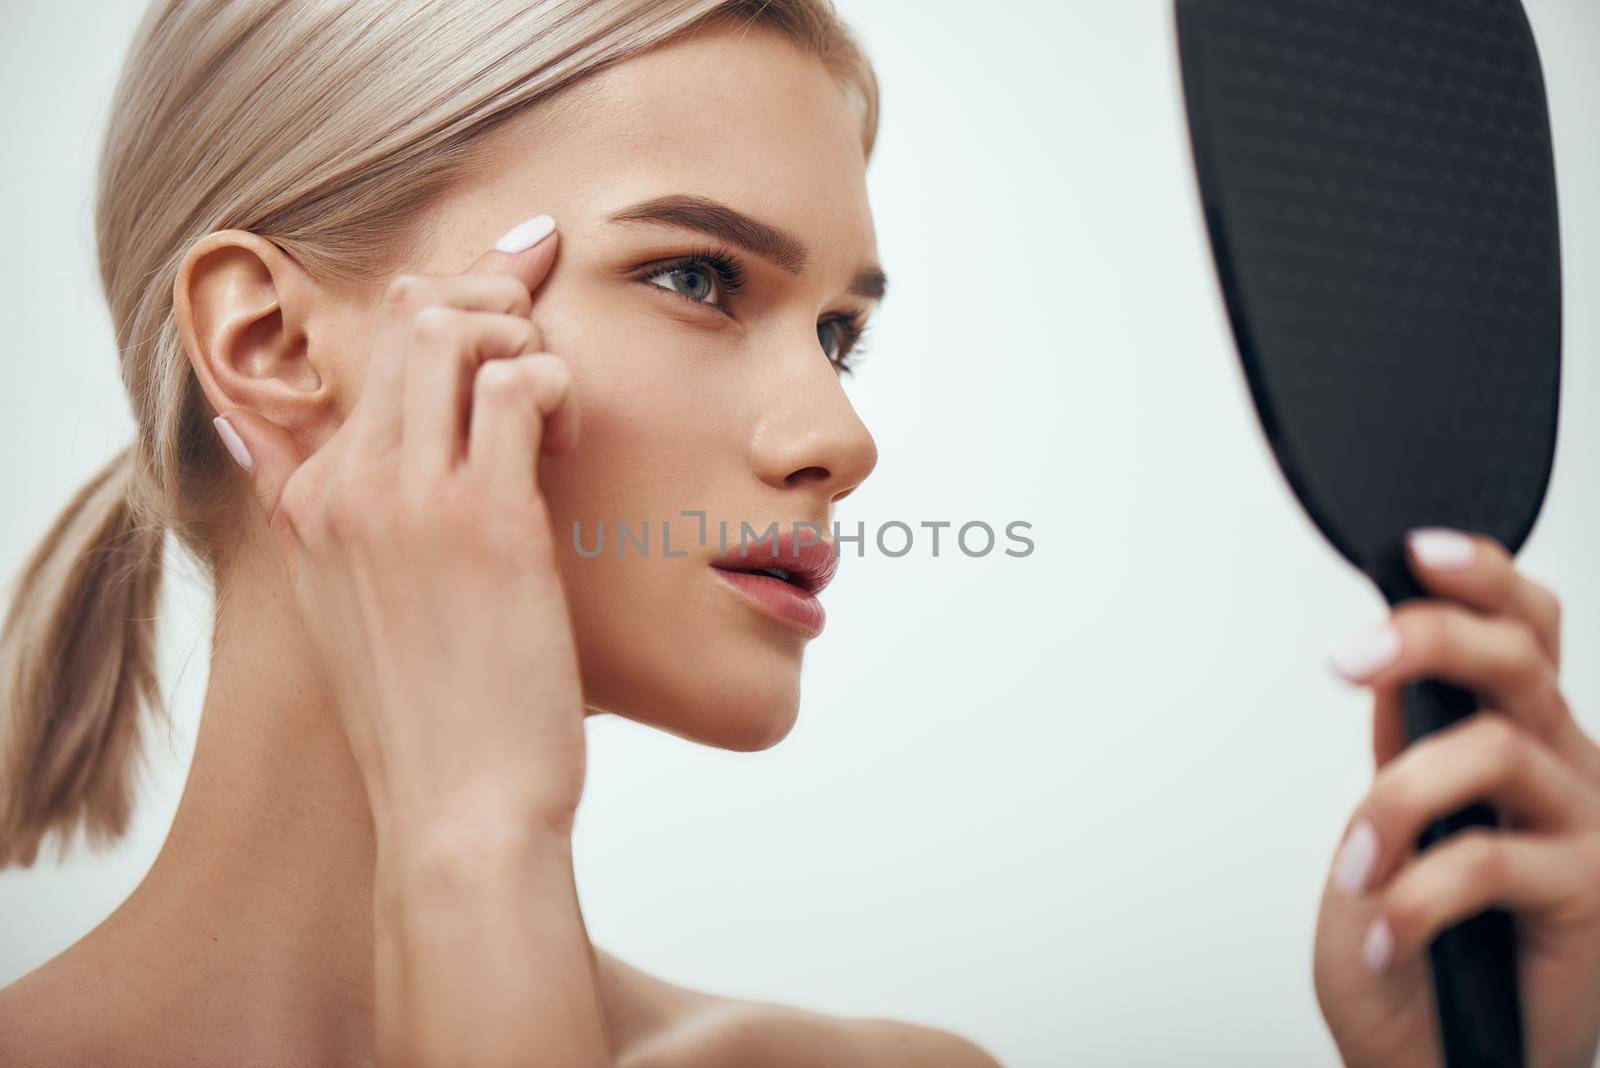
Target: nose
{"x": 810, "y": 435}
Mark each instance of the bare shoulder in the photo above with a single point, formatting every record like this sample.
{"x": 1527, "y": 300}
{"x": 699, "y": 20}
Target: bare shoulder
{"x": 42, "y": 1022}
{"x": 709, "y": 1031}
{"x": 91, "y": 1004}
{"x": 751, "y": 1035}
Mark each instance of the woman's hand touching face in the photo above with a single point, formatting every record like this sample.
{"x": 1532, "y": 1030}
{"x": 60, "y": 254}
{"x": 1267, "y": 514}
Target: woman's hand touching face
{"x": 1496, "y": 633}
{"x": 422, "y": 554}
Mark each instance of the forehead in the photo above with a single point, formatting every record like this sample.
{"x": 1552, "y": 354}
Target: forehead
{"x": 737, "y": 115}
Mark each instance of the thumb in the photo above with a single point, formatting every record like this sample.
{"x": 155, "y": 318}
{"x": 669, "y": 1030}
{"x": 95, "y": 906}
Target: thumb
{"x": 269, "y": 455}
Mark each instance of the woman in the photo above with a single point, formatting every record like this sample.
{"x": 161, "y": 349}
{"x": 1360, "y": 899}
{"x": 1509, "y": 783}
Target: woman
{"x": 306, "y": 232}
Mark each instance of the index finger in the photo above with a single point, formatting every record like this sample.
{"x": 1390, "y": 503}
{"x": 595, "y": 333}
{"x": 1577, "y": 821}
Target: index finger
{"x": 1478, "y": 571}
{"x": 524, "y": 253}
{"x": 521, "y": 252}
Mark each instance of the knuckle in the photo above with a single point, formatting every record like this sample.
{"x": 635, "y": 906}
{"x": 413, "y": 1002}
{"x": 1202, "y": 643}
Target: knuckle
{"x": 406, "y": 290}
{"x": 1552, "y": 607}
{"x": 462, "y": 499}
{"x": 1547, "y": 607}
{"x": 1407, "y": 911}
{"x": 550, "y": 379}
{"x": 435, "y": 324}
{"x": 1480, "y": 858}
{"x": 1426, "y": 629}
{"x": 1400, "y": 787}
{"x": 530, "y": 338}
{"x": 342, "y": 517}
{"x": 348, "y": 510}
{"x": 1494, "y": 549}
{"x": 1395, "y": 794}
{"x": 499, "y": 382}
{"x": 298, "y": 498}
{"x": 1502, "y": 743}
{"x": 512, "y": 293}
{"x": 1549, "y": 710}
{"x": 1501, "y": 580}
{"x": 1525, "y": 649}
{"x": 557, "y": 372}
{"x": 1547, "y": 703}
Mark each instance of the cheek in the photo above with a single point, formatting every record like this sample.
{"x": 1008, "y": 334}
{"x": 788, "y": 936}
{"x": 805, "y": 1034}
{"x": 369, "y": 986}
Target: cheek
{"x": 636, "y": 463}
{"x": 659, "y": 641}
{"x": 660, "y": 434}
{"x": 657, "y": 415}
{"x": 646, "y": 441}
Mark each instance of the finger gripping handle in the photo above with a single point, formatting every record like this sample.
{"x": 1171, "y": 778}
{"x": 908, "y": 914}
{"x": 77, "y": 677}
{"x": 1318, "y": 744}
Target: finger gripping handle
{"x": 1474, "y": 962}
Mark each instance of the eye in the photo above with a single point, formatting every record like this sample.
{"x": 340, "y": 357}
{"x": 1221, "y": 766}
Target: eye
{"x": 699, "y": 277}
{"x": 690, "y": 279}
{"x": 841, "y": 337}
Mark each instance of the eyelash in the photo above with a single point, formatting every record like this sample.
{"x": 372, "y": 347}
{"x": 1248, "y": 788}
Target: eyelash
{"x": 723, "y": 264}
{"x": 854, "y": 343}
{"x": 731, "y": 276}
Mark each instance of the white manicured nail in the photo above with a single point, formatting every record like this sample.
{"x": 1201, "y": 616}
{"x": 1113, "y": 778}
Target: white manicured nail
{"x": 230, "y": 438}
{"x": 1441, "y": 547}
{"x": 526, "y": 234}
{"x": 1367, "y": 653}
{"x": 1357, "y": 858}
{"x": 1377, "y": 948}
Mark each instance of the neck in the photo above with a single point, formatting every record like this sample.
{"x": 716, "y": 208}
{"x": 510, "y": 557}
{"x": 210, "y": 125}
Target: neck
{"x": 263, "y": 888}
{"x": 255, "y": 923}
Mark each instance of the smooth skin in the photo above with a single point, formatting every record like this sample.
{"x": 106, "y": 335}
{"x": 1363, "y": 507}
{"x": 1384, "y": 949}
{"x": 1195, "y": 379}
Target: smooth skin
{"x": 371, "y": 861}
{"x": 1489, "y": 629}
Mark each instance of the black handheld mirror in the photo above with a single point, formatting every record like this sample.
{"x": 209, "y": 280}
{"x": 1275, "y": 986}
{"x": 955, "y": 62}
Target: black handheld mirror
{"x": 1379, "y": 188}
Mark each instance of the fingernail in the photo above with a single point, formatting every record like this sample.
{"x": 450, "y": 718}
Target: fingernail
{"x": 525, "y": 235}
{"x": 230, "y": 438}
{"x": 1357, "y": 858}
{"x": 1441, "y": 547}
{"x": 1365, "y": 654}
{"x": 1377, "y": 948}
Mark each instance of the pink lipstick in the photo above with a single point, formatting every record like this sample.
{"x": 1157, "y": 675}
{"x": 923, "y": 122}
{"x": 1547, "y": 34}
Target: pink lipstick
{"x": 782, "y": 578}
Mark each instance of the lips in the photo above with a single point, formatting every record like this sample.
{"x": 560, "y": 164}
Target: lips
{"x": 809, "y": 567}
{"x": 781, "y": 578}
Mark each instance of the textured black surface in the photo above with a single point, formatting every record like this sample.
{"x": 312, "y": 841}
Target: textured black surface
{"x": 1380, "y": 193}
{"x": 1378, "y": 182}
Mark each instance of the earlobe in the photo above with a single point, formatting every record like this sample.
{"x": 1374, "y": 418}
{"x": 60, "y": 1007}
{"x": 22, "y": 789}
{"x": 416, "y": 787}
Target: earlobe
{"x": 241, "y": 305}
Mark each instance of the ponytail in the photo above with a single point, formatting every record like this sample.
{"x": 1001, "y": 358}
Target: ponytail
{"x": 77, "y": 663}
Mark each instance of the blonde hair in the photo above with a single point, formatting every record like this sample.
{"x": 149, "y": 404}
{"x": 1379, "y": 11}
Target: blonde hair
{"x": 327, "y": 127}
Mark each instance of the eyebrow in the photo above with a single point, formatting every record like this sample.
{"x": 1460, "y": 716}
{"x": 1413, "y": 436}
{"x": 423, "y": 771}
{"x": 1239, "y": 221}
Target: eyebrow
{"x": 749, "y": 233}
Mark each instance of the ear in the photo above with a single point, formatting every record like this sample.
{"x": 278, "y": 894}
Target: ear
{"x": 242, "y": 307}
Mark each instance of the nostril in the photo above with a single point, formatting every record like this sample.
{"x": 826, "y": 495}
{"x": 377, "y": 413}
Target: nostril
{"x": 807, "y": 474}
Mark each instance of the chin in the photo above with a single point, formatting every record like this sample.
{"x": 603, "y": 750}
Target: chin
{"x": 742, "y": 706}
{"x": 668, "y": 646}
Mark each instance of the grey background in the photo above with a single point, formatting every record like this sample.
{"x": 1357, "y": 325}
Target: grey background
{"x": 1078, "y": 806}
